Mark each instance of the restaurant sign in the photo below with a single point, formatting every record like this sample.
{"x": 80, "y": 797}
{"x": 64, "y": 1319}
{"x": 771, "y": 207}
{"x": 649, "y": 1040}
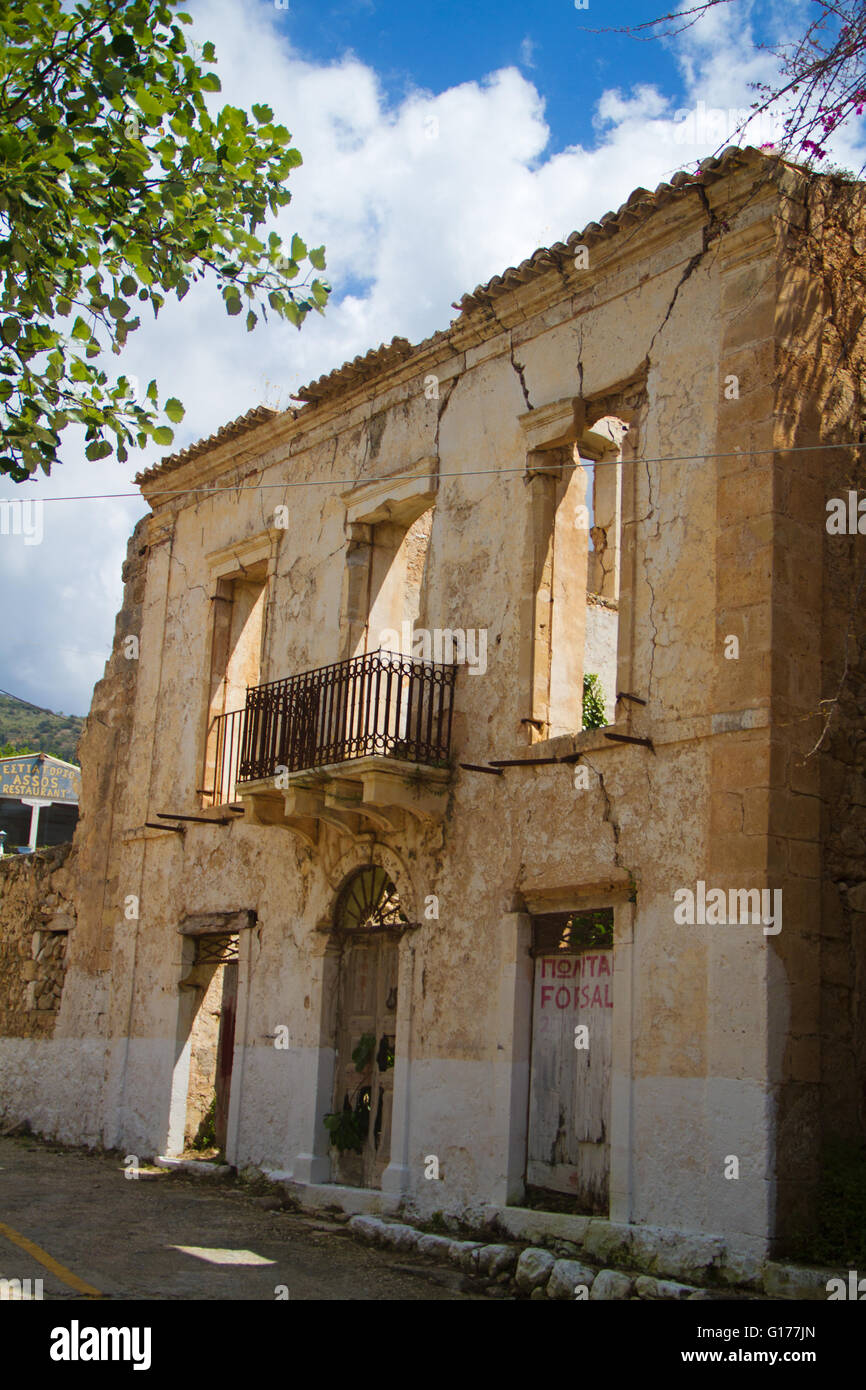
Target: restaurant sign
{"x": 39, "y": 776}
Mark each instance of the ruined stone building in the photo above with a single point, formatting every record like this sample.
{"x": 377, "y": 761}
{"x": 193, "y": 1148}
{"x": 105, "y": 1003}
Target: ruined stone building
{"x": 346, "y": 849}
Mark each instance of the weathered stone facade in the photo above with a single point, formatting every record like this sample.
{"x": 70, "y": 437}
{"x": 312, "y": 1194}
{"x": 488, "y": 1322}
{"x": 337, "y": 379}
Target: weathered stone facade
{"x": 443, "y": 487}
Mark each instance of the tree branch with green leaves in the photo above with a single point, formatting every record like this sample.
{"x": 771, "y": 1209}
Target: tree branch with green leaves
{"x": 821, "y": 81}
{"x": 119, "y": 188}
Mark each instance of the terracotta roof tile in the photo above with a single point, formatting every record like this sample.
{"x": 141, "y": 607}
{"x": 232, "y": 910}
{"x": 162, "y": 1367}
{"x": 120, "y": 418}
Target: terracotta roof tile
{"x": 242, "y": 425}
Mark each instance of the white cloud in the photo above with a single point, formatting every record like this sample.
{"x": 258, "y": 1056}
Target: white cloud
{"x": 416, "y": 203}
{"x": 723, "y": 70}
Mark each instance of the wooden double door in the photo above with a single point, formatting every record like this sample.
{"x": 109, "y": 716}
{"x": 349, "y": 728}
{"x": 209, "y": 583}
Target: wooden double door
{"x": 366, "y": 1038}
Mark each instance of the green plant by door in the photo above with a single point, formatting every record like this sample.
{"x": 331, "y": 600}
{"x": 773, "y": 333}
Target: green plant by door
{"x": 350, "y": 1126}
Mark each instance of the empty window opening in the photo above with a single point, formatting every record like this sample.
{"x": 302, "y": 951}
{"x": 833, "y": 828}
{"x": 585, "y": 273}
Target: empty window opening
{"x": 383, "y": 604}
{"x": 236, "y": 663}
{"x": 601, "y": 456}
{"x": 397, "y": 569}
{"x": 558, "y": 545}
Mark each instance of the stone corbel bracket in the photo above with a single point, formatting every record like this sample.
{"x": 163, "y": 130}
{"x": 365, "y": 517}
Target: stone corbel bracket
{"x": 355, "y": 798}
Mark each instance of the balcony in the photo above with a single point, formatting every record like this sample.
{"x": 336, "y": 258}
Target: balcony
{"x": 355, "y": 745}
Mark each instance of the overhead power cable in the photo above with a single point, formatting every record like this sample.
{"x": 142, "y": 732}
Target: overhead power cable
{"x": 456, "y": 473}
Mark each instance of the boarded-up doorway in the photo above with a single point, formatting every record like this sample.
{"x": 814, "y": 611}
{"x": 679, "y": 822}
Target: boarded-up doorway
{"x": 568, "y": 1149}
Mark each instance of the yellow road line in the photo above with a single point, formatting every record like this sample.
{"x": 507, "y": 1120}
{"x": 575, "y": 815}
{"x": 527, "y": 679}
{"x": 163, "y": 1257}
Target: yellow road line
{"x": 49, "y": 1262}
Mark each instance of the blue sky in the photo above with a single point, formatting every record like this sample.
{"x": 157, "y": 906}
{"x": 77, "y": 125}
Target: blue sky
{"x": 437, "y": 46}
{"x": 571, "y": 55}
{"x": 441, "y": 143}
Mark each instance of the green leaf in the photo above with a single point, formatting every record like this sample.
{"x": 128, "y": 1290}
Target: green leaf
{"x": 80, "y": 330}
{"x": 128, "y": 285}
{"x": 99, "y": 449}
{"x": 114, "y": 80}
{"x": 262, "y": 113}
{"x": 163, "y": 435}
{"x": 150, "y": 103}
{"x": 124, "y": 45}
{"x": 317, "y": 257}
{"x": 174, "y": 409}
{"x": 252, "y": 320}
{"x": 299, "y": 248}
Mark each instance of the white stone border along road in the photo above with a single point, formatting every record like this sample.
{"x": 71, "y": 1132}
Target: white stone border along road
{"x": 536, "y": 1273}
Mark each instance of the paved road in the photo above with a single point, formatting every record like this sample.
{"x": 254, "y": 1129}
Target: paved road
{"x": 78, "y": 1223}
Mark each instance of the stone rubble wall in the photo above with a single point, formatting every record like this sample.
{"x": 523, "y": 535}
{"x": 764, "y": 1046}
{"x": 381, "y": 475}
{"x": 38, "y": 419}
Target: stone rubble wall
{"x": 35, "y": 918}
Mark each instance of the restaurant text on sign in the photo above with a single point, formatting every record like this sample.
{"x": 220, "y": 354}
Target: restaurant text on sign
{"x": 33, "y": 776}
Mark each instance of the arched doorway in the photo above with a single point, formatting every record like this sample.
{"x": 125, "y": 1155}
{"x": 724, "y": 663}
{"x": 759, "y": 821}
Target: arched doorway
{"x": 370, "y": 921}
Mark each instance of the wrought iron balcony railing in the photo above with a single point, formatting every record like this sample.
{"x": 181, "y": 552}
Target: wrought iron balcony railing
{"x": 228, "y": 734}
{"x": 379, "y": 704}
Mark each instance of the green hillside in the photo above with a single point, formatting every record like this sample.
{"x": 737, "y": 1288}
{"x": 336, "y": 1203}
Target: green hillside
{"x": 22, "y": 726}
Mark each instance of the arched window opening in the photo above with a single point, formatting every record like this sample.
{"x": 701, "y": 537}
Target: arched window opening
{"x": 369, "y": 902}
